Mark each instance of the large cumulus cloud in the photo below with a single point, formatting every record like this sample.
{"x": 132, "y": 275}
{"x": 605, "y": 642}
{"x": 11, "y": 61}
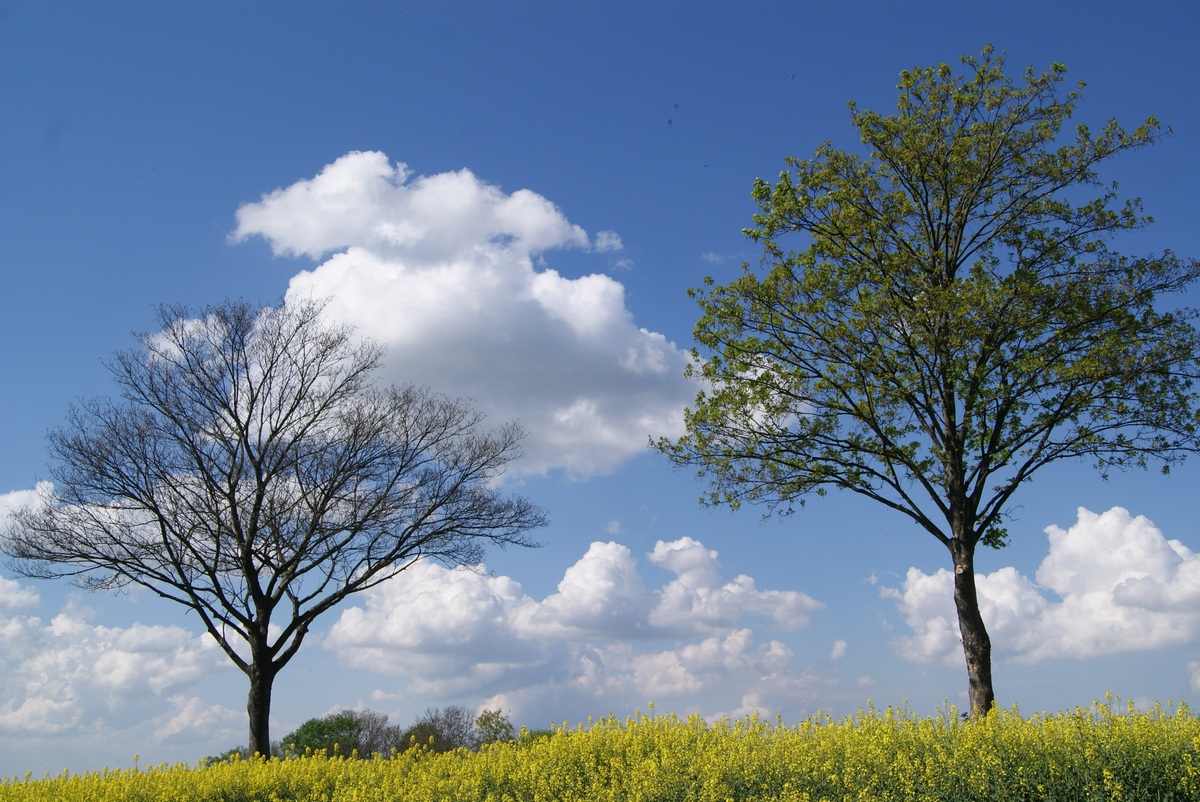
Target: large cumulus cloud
{"x": 1110, "y": 583}
{"x": 448, "y": 271}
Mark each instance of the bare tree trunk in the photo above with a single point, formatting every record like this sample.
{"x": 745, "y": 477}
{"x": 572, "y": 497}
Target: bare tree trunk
{"x": 977, "y": 645}
{"x": 258, "y": 706}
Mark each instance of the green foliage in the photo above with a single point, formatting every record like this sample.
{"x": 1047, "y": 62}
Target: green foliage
{"x": 331, "y": 734}
{"x": 365, "y": 733}
{"x": 954, "y": 318}
{"x": 1097, "y": 753}
{"x": 348, "y": 732}
{"x": 424, "y": 735}
{"x": 492, "y": 726}
{"x": 940, "y": 316}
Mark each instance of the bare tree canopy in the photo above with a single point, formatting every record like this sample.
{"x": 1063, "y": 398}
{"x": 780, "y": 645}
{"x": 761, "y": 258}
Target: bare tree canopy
{"x": 252, "y": 472}
{"x": 953, "y": 321}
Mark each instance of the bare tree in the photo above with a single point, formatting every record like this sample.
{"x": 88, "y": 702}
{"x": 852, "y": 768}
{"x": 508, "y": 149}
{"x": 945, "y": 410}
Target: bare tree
{"x": 253, "y": 473}
{"x": 443, "y": 729}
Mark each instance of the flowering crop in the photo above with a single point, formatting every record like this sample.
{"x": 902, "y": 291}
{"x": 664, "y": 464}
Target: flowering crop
{"x": 892, "y": 755}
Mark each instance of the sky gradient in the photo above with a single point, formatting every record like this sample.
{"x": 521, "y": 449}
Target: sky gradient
{"x": 515, "y": 198}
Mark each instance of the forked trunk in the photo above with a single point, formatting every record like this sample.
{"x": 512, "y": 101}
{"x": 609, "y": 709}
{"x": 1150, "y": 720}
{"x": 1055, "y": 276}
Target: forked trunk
{"x": 977, "y": 646}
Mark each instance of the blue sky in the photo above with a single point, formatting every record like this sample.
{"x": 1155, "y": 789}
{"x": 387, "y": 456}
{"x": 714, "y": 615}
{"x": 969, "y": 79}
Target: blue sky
{"x": 516, "y": 198}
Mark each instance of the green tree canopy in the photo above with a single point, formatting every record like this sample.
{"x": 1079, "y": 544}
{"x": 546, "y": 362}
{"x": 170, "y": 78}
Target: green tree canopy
{"x": 345, "y": 732}
{"x": 331, "y": 734}
{"x": 941, "y": 314}
{"x": 492, "y": 726}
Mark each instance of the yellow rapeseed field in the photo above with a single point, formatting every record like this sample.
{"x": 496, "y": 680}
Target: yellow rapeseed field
{"x": 888, "y": 756}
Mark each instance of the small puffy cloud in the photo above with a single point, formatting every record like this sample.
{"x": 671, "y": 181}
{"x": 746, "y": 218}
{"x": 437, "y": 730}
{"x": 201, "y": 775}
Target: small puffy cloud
{"x": 447, "y": 271}
{"x": 1121, "y": 586}
{"x": 13, "y": 597}
{"x": 838, "y": 651}
{"x": 608, "y": 241}
{"x": 698, "y": 601}
{"x": 155, "y": 658}
{"x": 1123, "y": 558}
{"x": 603, "y": 637}
{"x": 923, "y": 603}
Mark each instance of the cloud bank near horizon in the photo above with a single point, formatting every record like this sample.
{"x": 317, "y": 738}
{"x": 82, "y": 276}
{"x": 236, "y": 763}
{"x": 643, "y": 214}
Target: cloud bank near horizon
{"x": 608, "y": 638}
{"x": 450, "y": 273}
{"x": 617, "y": 632}
{"x": 70, "y": 676}
{"x": 604, "y": 640}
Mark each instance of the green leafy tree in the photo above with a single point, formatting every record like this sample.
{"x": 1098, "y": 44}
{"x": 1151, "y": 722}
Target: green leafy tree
{"x": 333, "y": 733}
{"x": 939, "y": 317}
{"x": 346, "y": 732}
{"x": 253, "y": 473}
{"x": 492, "y": 726}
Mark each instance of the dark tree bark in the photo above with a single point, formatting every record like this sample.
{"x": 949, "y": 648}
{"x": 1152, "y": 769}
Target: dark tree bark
{"x": 977, "y": 644}
{"x": 258, "y": 707}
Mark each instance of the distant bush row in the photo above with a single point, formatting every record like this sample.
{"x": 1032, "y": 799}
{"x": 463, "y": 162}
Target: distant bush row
{"x": 365, "y": 733}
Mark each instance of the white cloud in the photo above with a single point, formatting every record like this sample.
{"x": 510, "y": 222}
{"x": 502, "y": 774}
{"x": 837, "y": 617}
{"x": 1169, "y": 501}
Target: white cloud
{"x": 838, "y": 651}
{"x": 13, "y": 597}
{"x": 362, "y": 200}
{"x": 15, "y": 500}
{"x": 190, "y": 716}
{"x": 700, "y": 668}
{"x": 1194, "y": 674}
{"x": 1121, "y": 586}
{"x": 601, "y": 595}
{"x": 603, "y": 637}
{"x": 69, "y": 674}
{"x": 442, "y": 270}
{"x": 608, "y": 241}
{"x": 697, "y": 601}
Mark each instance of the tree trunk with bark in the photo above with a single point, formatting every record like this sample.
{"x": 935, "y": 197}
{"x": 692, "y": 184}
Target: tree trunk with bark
{"x": 258, "y": 706}
{"x": 977, "y": 645}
